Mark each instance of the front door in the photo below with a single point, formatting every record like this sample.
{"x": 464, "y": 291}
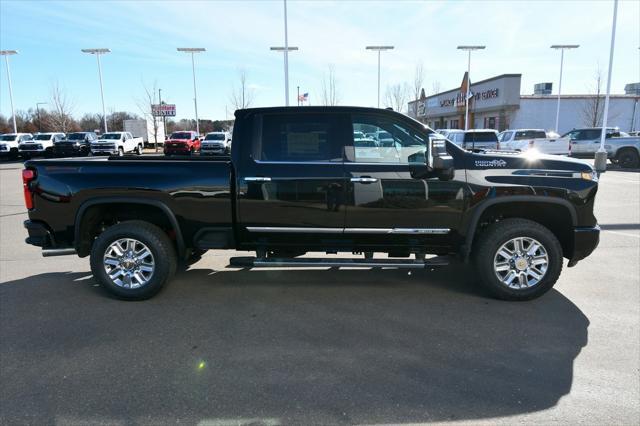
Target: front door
{"x": 292, "y": 186}
{"x": 386, "y": 205}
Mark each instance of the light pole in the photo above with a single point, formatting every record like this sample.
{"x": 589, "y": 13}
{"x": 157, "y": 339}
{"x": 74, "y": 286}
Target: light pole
{"x": 6, "y": 54}
{"x": 467, "y": 96}
{"x": 601, "y": 154}
{"x": 286, "y": 50}
{"x": 562, "y": 48}
{"x": 38, "y": 112}
{"x": 194, "y": 50}
{"x": 379, "y": 49}
{"x": 99, "y": 52}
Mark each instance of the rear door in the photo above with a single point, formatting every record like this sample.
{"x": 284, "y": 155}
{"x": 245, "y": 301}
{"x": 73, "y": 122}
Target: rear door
{"x": 291, "y": 179}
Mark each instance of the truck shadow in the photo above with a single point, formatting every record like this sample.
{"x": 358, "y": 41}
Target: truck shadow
{"x": 290, "y": 347}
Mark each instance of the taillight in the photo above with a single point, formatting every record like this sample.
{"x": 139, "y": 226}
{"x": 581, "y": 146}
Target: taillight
{"x": 27, "y": 176}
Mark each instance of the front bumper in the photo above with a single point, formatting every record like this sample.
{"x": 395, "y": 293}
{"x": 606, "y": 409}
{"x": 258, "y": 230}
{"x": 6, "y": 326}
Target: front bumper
{"x": 585, "y": 241}
{"x": 177, "y": 150}
{"x": 70, "y": 150}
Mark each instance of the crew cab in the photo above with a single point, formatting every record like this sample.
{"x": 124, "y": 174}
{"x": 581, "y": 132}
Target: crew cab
{"x": 117, "y": 143}
{"x": 75, "y": 144}
{"x": 298, "y": 181}
{"x": 10, "y": 143}
{"x": 620, "y": 149}
{"x": 538, "y": 139}
{"x": 184, "y": 142}
{"x": 40, "y": 144}
{"x": 216, "y": 143}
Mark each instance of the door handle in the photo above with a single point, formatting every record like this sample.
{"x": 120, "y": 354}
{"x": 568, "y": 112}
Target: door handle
{"x": 257, "y": 179}
{"x": 364, "y": 179}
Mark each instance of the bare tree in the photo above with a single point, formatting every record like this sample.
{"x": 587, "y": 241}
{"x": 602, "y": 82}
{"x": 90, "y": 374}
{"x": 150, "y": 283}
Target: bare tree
{"x": 435, "y": 87}
{"x": 242, "y": 95}
{"x": 592, "y": 108}
{"x": 396, "y": 96}
{"x": 146, "y": 109}
{"x": 60, "y": 117}
{"x": 329, "y": 95}
{"x": 418, "y": 81}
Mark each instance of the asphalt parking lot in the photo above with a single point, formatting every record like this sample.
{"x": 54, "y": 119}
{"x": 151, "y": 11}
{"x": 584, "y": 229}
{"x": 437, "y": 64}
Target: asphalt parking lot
{"x": 229, "y": 346}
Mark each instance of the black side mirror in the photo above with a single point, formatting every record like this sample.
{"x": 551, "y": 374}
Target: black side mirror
{"x": 435, "y": 162}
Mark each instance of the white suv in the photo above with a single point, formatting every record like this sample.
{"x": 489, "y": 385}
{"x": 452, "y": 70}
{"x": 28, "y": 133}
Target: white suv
{"x": 40, "y": 144}
{"x": 216, "y": 143}
{"x": 10, "y": 142}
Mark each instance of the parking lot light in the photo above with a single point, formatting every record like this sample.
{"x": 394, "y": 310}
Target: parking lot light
{"x": 6, "y": 54}
{"x": 562, "y": 48}
{"x": 194, "y": 50}
{"x": 379, "y": 49}
{"x": 285, "y": 50}
{"x": 601, "y": 154}
{"x": 98, "y": 52}
{"x": 467, "y": 96}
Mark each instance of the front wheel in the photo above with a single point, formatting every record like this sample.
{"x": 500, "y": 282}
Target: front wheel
{"x": 133, "y": 260}
{"x": 120, "y": 152}
{"x": 518, "y": 259}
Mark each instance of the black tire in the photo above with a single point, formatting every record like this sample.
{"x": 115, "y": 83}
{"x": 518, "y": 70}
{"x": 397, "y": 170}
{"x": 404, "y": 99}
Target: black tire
{"x": 628, "y": 158}
{"x": 161, "y": 247}
{"x": 120, "y": 152}
{"x": 492, "y": 239}
{"x": 138, "y": 150}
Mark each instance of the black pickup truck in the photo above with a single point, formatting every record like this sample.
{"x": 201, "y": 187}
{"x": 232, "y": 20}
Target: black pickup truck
{"x": 308, "y": 180}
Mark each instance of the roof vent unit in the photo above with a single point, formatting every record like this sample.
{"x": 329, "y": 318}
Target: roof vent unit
{"x": 632, "y": 89}
{"x": 542, "y": 88}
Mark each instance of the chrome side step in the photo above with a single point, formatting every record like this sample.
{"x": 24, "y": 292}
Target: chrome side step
{"x": 261, "y": 262}
{"x": 58, "y": 252}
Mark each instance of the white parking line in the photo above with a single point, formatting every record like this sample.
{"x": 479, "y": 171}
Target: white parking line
{"x": 623, "y": 233}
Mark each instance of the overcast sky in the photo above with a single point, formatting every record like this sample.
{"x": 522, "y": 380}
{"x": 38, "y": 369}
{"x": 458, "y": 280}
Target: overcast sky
{"x": 143, "y": 37}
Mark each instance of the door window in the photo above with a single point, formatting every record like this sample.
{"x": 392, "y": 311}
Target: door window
{"x": 300, "y": 137}
{"x": 386, "y": 141}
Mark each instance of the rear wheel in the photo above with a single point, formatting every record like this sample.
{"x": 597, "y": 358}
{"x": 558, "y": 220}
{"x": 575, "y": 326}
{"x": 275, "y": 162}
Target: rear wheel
{"x": 139, "y": 150}
{"x": 628, "y": 158}
{"x": 518, "y": 259}
{"x": 133, "y": 260}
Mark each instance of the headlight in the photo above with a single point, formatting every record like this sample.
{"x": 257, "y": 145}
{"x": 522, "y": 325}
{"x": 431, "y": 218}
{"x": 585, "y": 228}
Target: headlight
{"x": 591, "y": 175}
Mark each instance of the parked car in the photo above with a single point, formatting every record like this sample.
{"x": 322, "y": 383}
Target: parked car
{"x": 538, "y": 139}
{"x": 620, "y": 150}
{"x": 183, "y": 142}
{"x": 454, "y": 135}
{"x": 480, "y": 139}
{"x": 116, "y": 143}
{"x": 296, "y": 183}
{"x": 39, "y": 144}
{"x": 10, "y": 143}
{"x": 216, "y": 143}
{"x": 75, "y": 144}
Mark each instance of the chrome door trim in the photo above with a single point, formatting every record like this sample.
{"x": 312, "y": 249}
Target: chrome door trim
{"x": 257, "y": 179}
{"x": 287, "y": 229}
{"x": 364, "y": 179}
{"x": 400, "y": 231}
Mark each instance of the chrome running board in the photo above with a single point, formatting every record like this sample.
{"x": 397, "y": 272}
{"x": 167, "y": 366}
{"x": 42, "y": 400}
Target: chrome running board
{"x": 261, "y": 262}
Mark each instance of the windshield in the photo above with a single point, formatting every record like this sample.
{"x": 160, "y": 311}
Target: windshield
{"x": 211, "y": 137}
{"x": 181, "y": 135}
{"x": 8, "y": 137}
{"x": 43, "y": 137}
{"x": 111, "y": 136}
{"x": 76, "y": 136}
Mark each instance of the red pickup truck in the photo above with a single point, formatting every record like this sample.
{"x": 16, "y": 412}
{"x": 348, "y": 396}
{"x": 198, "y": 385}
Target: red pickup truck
{"x": 182, "y": 143}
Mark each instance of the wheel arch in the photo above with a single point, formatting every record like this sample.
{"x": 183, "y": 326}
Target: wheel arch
{"x": 560, "y": 218}
{"x": 80, "y": 225}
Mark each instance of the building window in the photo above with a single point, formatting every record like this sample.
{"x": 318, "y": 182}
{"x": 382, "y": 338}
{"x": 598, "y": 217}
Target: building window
{"x": 455, "y": 124}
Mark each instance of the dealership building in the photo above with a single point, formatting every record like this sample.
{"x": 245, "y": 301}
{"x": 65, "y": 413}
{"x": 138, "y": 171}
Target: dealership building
{"x": 497, "y": 103}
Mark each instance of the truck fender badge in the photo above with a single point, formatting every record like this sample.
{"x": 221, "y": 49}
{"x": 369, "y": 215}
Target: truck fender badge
{"x": 490, "y": 163}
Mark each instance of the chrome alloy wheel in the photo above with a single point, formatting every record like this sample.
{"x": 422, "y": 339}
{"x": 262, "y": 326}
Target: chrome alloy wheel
{"x": 129, "y": 263}
{"x": 521, "y": 263}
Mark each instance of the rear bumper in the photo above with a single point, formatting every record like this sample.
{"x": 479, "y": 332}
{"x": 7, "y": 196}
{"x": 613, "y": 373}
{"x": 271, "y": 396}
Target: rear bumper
{"x": 585, "y": 241}
{"x": 39, "y": 234}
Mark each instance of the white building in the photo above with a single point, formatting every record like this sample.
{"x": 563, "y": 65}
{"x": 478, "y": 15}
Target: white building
{"x": 497, "y": 104}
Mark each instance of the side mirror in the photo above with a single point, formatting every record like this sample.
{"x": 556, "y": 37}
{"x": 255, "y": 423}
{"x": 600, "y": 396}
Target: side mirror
{"x": 439, "y": 162}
